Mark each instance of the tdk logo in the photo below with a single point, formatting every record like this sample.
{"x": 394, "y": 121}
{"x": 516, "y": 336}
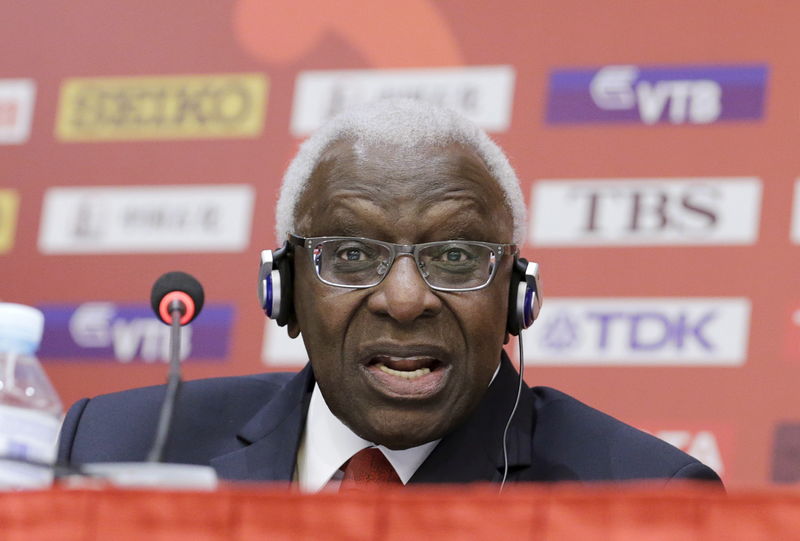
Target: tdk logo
{"x": 651, "y": 95}
{"x": 666, "y": 331}
{"x": 130, "y": 332}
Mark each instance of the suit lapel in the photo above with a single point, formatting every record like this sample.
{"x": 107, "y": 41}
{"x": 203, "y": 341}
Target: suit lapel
{"x": 271, "y": 437}
{"x": 474, "y": 451}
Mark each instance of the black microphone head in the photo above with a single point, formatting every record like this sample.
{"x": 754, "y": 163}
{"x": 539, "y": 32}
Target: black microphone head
{"x": 177, "y": 281}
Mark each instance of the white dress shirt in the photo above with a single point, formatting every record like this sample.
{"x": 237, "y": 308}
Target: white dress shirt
{"x": 327, "y": 443}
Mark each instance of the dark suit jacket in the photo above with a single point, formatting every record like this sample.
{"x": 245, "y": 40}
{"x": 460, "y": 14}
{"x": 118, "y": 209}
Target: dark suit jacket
{"x": 249, "y": 428}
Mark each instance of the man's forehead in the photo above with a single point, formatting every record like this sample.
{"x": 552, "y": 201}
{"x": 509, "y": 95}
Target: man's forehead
{"x": 358, "y": 185}
{"x": 425, "y": 172}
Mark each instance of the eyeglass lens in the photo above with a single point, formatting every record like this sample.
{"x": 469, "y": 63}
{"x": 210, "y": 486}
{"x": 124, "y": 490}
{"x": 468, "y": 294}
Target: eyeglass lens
{"x": 358, "y": 262}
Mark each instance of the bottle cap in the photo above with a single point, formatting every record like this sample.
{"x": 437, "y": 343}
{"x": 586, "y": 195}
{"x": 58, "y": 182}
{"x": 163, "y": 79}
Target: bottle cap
{"x": 21, "y": 328}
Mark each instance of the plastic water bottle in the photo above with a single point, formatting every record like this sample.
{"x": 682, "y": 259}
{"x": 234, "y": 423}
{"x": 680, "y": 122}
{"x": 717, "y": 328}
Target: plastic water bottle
{"x": 30, "y": 410}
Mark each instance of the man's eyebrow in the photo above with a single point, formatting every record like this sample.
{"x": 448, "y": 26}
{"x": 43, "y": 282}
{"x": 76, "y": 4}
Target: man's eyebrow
{"x": 366, "y": 192}
{"x": 460, "y": 227}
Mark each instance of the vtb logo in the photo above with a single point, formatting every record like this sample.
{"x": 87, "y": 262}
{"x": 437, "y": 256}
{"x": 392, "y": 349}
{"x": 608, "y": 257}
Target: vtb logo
{"x": 651, "y": 95}
{"x": 129, "y": 332}
{"x": 620, "y": 88}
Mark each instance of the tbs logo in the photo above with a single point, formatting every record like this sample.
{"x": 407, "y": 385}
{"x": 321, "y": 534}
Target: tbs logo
{"x": 647, "y": 211}
{"x": 650, "y": 95}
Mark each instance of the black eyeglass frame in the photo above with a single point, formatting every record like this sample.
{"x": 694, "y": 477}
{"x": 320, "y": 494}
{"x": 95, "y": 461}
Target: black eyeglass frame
{"x": 396, "y": 250}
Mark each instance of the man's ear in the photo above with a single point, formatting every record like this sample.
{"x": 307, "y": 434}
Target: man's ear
{"x": 293, "y": 327}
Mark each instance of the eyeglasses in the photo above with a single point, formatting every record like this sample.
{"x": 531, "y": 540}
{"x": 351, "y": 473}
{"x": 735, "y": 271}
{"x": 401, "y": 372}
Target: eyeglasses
{"x": 449, "y": 265}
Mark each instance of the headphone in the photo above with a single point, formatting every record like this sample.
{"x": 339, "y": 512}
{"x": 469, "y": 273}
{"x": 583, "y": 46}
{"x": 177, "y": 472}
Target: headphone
{"x": 275, "y": 283}
{"x": 275, "y": 289}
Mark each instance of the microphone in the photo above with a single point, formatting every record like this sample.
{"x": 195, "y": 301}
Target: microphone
{"x": 177, "y": 291}
{"x": 176, "y": 298}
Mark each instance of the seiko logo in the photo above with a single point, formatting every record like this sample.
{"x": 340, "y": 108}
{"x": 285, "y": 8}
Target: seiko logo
{"x": 645, "y": 211}
{"x": 146, "y": 219}
{"x": 650, "y": 95}
{"x": 666, "y": 331}
{"x": 482, "y": 94}
{"x": 161, "y": 107}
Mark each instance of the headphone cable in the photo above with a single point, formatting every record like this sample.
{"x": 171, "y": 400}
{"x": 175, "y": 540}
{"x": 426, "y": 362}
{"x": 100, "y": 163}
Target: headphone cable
{"x": 513, "y": 411}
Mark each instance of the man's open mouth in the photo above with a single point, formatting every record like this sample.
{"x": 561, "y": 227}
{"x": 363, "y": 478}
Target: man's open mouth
{"x": 405, "y": 367}
{"x": 407, "y": 372}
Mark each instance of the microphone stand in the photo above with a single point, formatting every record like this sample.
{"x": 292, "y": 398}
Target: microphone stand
{"x": 176, "y": 311}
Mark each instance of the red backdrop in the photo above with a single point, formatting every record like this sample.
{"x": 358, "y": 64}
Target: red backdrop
{"x": 674, "y": 306}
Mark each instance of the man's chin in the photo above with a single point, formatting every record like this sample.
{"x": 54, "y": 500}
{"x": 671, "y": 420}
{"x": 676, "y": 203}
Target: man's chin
{"x": 400, "y": 435}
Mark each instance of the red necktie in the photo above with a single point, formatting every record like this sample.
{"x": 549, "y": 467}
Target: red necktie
{"x": 368, "y": 467}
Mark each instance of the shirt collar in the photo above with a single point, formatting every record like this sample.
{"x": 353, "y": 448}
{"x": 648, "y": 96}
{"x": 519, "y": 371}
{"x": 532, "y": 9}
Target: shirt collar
{"x": 328, "y": 443}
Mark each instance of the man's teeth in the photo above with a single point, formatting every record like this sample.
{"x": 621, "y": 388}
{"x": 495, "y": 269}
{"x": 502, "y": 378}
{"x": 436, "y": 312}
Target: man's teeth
{"x": 408, "y": 374}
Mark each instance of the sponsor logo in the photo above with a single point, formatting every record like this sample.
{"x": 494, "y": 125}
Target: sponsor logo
{"x": 9, "y": 204}
{"x": 482, "y": 94}
{"x": 146, "y": 219}
{"x": 130, "y": 332}
{"x": 279, "y": 349}
{"x": 795, "y": 233}
{"x": 701, "y": 444}
{"x": 653, "y": 95}
{"x": 792, "y": 341}
{"x": 16, "y": 110}
{"x": 640, "y": 331}
{"x": 645, "y": 211}
{"x": 786, "y": 453}
{"x": 178, "y": 107}
{"x": 709, "y": 445}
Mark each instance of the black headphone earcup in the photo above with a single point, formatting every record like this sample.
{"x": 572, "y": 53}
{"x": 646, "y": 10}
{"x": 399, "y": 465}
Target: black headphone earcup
{"x": 284, "y": 268}
{"x": 517, "y": 279}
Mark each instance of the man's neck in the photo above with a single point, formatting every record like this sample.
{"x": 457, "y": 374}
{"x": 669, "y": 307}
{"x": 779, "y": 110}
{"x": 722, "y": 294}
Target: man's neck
{"x": 327, "y": 443}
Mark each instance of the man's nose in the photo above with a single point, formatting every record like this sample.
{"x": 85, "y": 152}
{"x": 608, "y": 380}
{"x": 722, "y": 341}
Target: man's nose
{"x": 403, "y": 295}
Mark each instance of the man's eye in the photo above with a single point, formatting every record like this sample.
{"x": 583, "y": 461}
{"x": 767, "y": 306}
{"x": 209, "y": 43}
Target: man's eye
{"x": 455, "y": 255}
{"x": 352, "y": 253}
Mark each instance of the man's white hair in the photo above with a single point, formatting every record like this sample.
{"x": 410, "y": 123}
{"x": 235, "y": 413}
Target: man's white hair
{"x": 402, "y": 123}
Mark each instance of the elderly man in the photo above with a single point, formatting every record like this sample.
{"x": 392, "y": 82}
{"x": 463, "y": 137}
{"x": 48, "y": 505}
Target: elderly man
{"x": 400, "y": 225}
